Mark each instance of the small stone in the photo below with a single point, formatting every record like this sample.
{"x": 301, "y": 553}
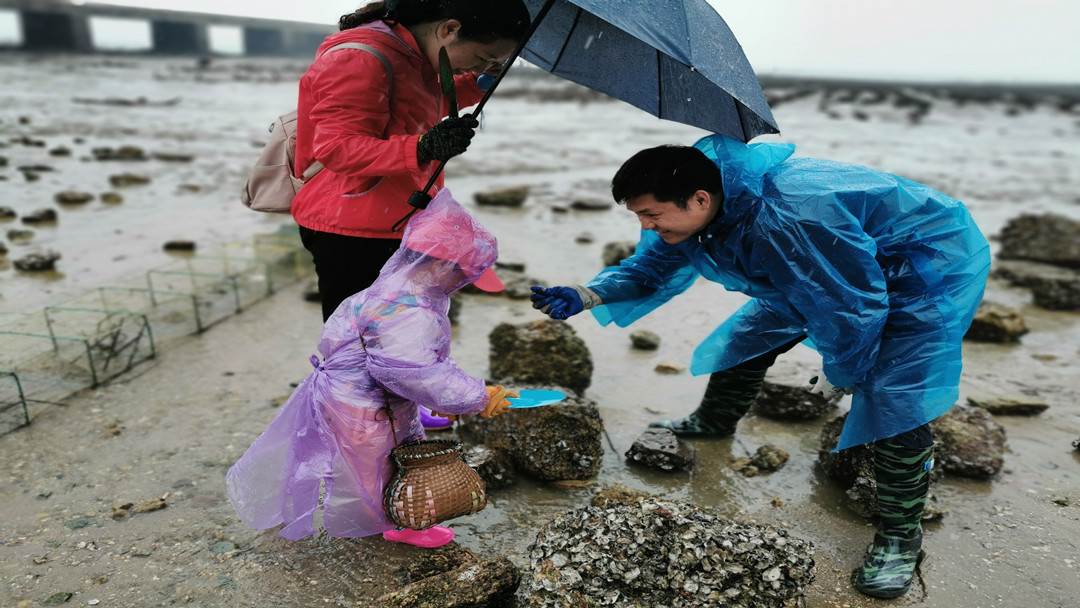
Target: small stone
{"x": 644, "y": 339}
{"x": 1061, "y": 500}
{"x": 669, "y": 367}
{"x": 179, "y": 246}
{"x": 592, "y": 203}
{"x": 57, "y": 598}
{"x": 112, "y": 198}
{"x": 72, "y": 198}
{"x": 122, "y": 180}
{"x": 150, "y": 504}
{"x": 37, "y": 262}
{"x": 40, "y": 216}
{"x": 513, "y": 196}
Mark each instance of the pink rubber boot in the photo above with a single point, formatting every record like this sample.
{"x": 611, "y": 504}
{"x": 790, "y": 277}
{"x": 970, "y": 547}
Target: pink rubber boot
{"x": 435, "y": 536}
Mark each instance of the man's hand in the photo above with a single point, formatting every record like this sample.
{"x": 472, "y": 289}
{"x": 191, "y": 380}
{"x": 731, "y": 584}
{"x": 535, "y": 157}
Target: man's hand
{"x": 563, "y": 302}
{"x": 820, "y": 385}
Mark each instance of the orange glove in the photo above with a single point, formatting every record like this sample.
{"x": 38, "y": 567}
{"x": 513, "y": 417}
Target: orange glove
{"x": 497, "y": 403}
{"x": 450, "y": 417}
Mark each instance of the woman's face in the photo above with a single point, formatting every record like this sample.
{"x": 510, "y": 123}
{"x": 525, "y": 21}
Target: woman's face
{"x": 467, "y": 56}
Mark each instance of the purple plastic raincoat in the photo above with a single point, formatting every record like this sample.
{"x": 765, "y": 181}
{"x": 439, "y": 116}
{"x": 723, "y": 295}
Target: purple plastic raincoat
{"x": 333, "y": 430}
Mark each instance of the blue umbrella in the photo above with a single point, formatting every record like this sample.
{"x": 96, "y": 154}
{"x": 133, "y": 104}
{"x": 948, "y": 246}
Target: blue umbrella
{"x": 675, "y": 59}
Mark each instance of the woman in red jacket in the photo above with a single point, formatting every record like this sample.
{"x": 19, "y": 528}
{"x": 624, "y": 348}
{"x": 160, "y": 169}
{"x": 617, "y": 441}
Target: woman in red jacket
{"x": 379, "y": 134}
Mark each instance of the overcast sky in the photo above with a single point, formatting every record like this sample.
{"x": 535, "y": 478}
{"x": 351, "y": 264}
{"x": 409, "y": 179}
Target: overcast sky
{"x": 972, "y": 40}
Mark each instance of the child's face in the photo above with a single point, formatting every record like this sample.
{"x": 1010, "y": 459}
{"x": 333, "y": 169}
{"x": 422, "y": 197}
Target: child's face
{"x": 672, "y": 223}
{"x": 442, "y": 274}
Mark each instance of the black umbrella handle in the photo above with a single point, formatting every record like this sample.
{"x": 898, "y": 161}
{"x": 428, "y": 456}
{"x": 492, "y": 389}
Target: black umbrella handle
{"x": 421, "y": 198}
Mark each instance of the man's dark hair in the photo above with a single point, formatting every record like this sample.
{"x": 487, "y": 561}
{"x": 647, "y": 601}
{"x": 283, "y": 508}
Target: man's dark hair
{"x": 671, "y": 174}
{"x": 482, "y": 21}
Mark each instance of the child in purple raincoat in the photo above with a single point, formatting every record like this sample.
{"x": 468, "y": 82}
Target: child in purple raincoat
{"x": 387, "y": 346}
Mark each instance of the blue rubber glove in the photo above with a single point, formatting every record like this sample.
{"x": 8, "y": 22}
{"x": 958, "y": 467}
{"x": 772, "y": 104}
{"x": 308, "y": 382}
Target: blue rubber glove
{"x": 562, "y": 303}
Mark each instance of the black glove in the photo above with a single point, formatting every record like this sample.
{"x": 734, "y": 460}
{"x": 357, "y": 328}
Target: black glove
{"x": 447, "y": 139}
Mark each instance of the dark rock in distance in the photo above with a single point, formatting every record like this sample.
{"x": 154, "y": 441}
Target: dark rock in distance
{"x": 617, "y": 251}
{"x": 37, "y": 262}
{"x": 1009, "y": 406}
{"x": 179, "y": 246}
{"x": 540, "y": 352}
{"x": 513, "y": 196}
{"x": 40, "y": 216}
{"x": 996, "y": 323}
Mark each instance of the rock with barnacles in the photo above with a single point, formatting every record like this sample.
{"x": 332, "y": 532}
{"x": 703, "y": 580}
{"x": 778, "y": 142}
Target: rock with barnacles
{"x": 554, "y": 443}
{"x": 853, "y": 469}
{"x": 488, "y": 583}
{"x": 494, "y": 466}
{"x": 767, "y": 459}
{"x": 659, "y": 552}
{"x": 662, "y": 449}
{"x": 970, "y": 442}
{"x": 781, "y": 401}
{"x": 996, "y": 323}
{"x": 540, "y": 352}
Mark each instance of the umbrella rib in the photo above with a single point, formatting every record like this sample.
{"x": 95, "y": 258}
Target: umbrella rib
{"x": 659, "y": 85}
{"x": 566, "y": 41}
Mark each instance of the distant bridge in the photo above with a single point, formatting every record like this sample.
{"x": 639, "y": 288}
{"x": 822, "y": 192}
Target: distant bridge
{"x": 58, "y": 26}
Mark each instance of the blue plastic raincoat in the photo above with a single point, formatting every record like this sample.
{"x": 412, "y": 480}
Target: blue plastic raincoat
{"x": 883, "y": 275}
{"x": 333, "y": 431}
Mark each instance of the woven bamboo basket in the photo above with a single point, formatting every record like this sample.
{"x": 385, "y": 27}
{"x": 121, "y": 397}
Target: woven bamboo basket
{"x": 433, "y": 484}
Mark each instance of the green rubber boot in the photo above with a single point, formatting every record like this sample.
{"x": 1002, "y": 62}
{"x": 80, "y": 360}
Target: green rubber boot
{"x": 728, "y": 397}
{"x": 903, "y": 480}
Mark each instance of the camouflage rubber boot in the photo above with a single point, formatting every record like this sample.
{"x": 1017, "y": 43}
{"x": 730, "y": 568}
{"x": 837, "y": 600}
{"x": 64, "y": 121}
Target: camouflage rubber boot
{"x": 903, "y": 480}
{"x": 728, "y": 397}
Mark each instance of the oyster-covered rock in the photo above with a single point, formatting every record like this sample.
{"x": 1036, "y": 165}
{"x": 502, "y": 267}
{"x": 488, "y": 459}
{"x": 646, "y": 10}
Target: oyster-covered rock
{"x": 659, "y": 552}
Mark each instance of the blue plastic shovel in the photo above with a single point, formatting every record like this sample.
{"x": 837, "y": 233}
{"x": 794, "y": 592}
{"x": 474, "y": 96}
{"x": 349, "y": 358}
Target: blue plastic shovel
{"x": 536, "y": 398}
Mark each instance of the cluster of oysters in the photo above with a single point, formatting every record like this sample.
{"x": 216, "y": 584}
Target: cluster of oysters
{"x": 664, "y": 554}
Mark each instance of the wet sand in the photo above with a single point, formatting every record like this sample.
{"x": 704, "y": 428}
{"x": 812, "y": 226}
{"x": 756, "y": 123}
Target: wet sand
{"x": 172, "y": 426}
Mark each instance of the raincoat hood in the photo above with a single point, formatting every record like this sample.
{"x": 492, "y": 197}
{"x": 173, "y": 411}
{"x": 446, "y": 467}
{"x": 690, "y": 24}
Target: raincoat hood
{"x": 443, "y": 249}
{"x": 743, "y": 165}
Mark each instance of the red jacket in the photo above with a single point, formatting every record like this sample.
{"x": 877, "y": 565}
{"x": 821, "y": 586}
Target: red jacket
{"x": 367, "y": 141}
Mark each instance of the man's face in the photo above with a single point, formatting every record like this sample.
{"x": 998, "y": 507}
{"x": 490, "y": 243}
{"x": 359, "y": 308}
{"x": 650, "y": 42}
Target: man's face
{"x": 674, "y": 225}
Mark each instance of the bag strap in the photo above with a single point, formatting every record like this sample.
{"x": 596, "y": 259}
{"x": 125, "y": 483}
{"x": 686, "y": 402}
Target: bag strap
{"x": 385, "y": 396}
{"x": 316, "y": 166}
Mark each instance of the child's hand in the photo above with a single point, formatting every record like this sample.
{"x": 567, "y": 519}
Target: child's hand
{"x": 497, "y": 403}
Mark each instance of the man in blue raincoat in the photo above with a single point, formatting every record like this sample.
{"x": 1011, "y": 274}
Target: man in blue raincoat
{"x": 882, "y": 274}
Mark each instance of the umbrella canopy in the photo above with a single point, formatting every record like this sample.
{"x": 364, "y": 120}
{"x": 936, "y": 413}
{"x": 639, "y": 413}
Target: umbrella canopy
{"x": 675, "y": 59}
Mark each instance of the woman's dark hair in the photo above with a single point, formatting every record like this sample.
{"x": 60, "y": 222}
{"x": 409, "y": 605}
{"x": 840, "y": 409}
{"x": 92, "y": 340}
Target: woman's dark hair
{"x": 671, "y": 174}
{"x": 482, "y": 21}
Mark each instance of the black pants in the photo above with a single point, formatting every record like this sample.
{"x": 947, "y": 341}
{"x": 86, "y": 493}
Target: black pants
{"x": 345, "y": 264}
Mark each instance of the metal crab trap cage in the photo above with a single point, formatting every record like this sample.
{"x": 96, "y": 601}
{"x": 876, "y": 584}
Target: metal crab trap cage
{"x": 97, "y": 335}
